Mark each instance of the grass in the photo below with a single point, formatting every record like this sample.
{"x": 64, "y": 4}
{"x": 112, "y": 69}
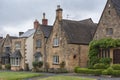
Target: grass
{"x": 17, "y": 75}
{"x": 66, "y": 78}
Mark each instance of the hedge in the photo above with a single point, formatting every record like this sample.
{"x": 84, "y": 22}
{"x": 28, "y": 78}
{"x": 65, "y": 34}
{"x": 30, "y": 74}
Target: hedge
{"x": 101, "y": 66}
{"x": 108, "y": 71}
{"x": 89, "y": 71}
{"x": 116, "y": 66}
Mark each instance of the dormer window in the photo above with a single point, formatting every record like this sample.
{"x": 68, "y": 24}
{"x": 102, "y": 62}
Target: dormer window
{"x": 55, "y": 42}
{"x": 109, "y": 31}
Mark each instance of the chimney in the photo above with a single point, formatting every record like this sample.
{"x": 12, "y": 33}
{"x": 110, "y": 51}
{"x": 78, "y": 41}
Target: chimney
{"x": 44, "y": 21}
{"x": 20, "y": 33}
{"x": 36, "y": 24}
{"x": 59, "y": 13}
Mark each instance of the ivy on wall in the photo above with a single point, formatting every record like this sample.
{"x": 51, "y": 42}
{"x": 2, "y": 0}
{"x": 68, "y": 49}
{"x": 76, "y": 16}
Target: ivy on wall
{"x": 95, "y": 45}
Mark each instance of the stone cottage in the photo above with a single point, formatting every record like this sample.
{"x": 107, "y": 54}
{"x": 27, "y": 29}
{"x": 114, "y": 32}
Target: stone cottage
{"x": 68, "y": 42}
{"x": 6, "y": 49}
{"x": 41, "y": 36}
{"x": 109, "y": 27}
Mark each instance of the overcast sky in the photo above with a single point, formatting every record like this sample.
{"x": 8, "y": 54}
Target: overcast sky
{"x": 19, "y": 15}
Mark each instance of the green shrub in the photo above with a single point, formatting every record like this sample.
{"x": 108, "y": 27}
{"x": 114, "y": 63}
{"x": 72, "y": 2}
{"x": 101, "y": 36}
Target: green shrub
{"x": 109, "y": 71}
{"x": 76, "y": 69}
{"x": 116, "y": 73}
{"x": 105, "y": 60}
{"x": 7, "y": 66}
{"x": 40, "y": 64}
{"x": 116, "y": 66}
{"x": 101, "y": 66}
{"x": 105, "y": 72}
{"x": 37, "y": 64}
{"x": 88, "y": 71}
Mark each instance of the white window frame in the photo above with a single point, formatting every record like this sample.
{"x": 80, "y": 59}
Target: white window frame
{"x": 15, "y": 61}
{"x": 56, "y": 59}
{"x": 55, "y": 42}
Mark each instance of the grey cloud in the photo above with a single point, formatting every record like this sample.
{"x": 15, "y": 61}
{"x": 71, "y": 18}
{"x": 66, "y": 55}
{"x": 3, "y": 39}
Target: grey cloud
{"x": 15, "y": 12}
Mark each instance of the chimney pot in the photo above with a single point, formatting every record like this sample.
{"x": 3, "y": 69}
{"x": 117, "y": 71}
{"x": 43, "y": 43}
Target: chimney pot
{"x": 44, "y": 20}
{"x": 59, "y": 13}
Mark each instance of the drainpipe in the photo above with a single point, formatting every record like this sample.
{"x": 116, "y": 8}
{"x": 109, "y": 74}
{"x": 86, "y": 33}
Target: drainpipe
{"x": 45, "y": 56}
{"x": 79, "y": 48}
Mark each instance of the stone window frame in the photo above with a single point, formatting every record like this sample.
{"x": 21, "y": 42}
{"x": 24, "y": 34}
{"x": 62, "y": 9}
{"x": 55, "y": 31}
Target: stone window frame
{"x": 55, "y": 42}
{"x": 55, "y": 59}
{"x": 38, "y": 43}
{"x": 109, "y": 31}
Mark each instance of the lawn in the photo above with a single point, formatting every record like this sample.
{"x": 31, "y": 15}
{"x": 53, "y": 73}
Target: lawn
{"x": 17, "y": 75}
{"x": 66, "y": 78}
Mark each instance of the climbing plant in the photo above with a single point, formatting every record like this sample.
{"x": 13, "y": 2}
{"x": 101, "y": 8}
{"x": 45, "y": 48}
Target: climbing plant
{"x": 95, "y": 45}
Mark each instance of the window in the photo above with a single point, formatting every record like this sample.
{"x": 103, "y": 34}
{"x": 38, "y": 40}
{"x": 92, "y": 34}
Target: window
{"x": 38, "y": 43}
{"x": 109, "y": 31}
{"x": 15, "y": 61}
{"x": 55, "y": 59}
{"x": 55, "y": 42}
{"x": 7, "y": 49}
{"x": 104, "y": 53}
{"x": 17, "y": 45}
{"x": 38, "y": 58}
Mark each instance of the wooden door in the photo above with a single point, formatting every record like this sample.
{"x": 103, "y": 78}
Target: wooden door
{"x": 116, "y": 56}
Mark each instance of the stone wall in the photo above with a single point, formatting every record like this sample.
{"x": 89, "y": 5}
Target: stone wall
{"x": 22, "y": 50}
{"x": 109, "y": 19}
{"x": 73, "y": 54}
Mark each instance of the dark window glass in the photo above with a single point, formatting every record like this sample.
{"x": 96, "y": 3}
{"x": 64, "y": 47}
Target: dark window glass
{"x": 38, "y": 43}
{"x": 109, "y": 31}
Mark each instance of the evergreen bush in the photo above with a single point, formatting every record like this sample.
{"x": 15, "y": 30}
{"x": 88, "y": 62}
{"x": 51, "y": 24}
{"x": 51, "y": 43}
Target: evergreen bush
{"x": 7, "y": 66}
{"x": 116, "y": 66}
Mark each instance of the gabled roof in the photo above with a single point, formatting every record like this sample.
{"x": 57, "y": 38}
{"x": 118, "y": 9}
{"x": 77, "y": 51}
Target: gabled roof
{"x": 46, "y": 29}
{"x": 17, "y": 54}
{"x": 116, "y": 4}
{"x": 28, "y": 33}
{"x": 79, "y": 32}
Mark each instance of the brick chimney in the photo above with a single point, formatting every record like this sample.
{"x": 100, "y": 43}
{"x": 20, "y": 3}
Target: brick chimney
{"x": 36, "y": 24}
{"x": 44, "y": 20}
{"x": 59, "y": 13}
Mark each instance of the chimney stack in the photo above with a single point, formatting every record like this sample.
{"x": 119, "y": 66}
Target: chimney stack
{"x": 20, "y": 33}
{"x": 44, "y": 20}
{"x": 59, "y": 13}
{"x": 36, "y": 24}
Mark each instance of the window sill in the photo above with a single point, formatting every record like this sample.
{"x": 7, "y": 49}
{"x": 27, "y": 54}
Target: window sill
{"x": 15, "y": 65}
{"x": 38, "y": 47}
{"x": 55, "y": 46}
{"x": 55, "y": 63}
